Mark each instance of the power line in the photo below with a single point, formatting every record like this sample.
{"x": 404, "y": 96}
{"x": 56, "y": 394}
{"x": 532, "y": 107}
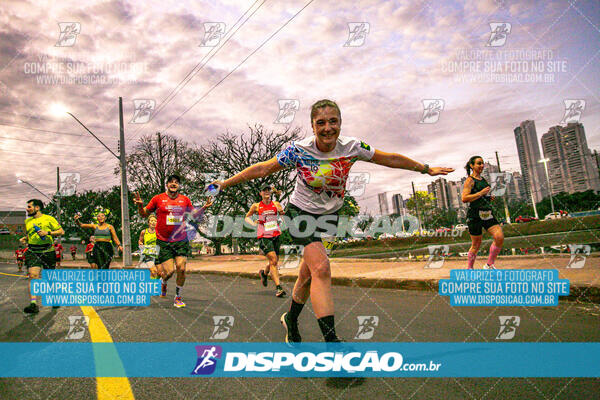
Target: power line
{"x": 41, "y": 154}
{"x": 194, "y": 71}
{"x": 51, "y": 143}
{"x": 43, "y": 130}
{"x": 28, "y": 116}
{"x": 239, "y": 65}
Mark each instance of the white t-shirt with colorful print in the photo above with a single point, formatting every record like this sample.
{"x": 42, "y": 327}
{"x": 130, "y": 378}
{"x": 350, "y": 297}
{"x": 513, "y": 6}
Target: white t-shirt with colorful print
{"x": 321, "y": 180}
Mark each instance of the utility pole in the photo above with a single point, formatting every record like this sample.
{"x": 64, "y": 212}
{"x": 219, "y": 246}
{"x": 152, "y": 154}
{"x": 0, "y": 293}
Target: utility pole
{"x": 416, "y": 205}
{"x": 506, "y": 213}
{"x": 161, "y": 170}
{"x": 58, "y": 198}
{"x": 124, "y": 192}
{"x": 176, "y": 159}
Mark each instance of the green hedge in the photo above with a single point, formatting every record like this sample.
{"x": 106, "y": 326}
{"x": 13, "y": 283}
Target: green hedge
{"x": 522, "y": 229}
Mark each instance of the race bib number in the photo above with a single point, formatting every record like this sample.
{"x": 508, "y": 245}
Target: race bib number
{"x": 485, "y": 215}
{"x": 174, "y": 219}
{"x": 270, "y": 226}
{"x": 150, "y": 250}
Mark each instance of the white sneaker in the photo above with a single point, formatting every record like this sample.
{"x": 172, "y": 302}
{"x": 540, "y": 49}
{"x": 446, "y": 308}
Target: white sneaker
{"x": 489, "y": 266}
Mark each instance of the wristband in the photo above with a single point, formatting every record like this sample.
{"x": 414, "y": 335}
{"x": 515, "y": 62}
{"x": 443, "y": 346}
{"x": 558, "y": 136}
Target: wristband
{"x": 425, "y": 169}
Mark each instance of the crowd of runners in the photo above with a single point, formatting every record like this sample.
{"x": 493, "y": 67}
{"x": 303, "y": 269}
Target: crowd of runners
{"x": 322, "y": 163}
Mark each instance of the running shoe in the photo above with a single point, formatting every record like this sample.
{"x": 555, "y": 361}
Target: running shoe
{"x": 292, "y": 334}
{"x": 280, "y": 293}
{"x": 163, "y": 290}
{"x": 178, "y": 302}
{"x": 31, "y": 309}
{"x": 489, "y": 266}
{"x": 263, "y": 277}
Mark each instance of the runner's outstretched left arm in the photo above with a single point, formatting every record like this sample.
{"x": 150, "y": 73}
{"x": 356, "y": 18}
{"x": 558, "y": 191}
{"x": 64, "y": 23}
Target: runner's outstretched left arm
{"x": 394, "y": 160}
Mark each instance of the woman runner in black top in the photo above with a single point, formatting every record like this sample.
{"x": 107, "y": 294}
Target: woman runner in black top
{"x": 480, "y": 215}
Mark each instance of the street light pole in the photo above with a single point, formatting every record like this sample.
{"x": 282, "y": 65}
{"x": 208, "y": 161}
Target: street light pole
{"x": 545, "y": 161}
{"x": 33, "y": 187}
{"x": 124, "y": 190}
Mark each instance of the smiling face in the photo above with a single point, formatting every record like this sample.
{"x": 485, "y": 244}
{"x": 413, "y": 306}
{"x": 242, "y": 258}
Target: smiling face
{"x": 477, "y": 165}
{"x": 152, "y": 222}
{"x": 173, "y": 186}
{"x": 326, "y": 125}
{"x": 101, "y": 218}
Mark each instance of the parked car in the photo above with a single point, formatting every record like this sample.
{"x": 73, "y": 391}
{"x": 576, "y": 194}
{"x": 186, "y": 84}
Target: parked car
{"x": 4, "y": 231}
{"x": 461, "y": 227}
{"x": 553, "y": 215}
{"x": 525, "y": 218}
{"x": 442, "y": 229}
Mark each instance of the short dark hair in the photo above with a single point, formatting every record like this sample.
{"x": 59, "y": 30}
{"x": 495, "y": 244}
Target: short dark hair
{"x": 265, "y": 187}
{"x": 173, "y": 176}
{"x": 37, "y": 202}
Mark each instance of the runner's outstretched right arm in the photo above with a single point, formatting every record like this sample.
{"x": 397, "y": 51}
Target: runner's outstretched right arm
{"x": 258, "y": 170}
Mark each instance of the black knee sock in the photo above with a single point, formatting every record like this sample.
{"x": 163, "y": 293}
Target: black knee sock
{"x": 327, "y": 328}
{"x": 295, "y": 309}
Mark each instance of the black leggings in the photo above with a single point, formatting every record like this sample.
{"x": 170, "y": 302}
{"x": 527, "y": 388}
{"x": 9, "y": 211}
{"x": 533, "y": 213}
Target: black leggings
{"x": 103, "y": 252}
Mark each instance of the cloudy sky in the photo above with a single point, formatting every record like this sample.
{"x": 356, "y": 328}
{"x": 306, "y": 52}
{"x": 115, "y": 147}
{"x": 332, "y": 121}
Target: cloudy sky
{"x": 400, "y": 54}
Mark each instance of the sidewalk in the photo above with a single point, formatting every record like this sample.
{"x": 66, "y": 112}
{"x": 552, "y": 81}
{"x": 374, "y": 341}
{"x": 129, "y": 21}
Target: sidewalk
{"x": 407, "y": 275}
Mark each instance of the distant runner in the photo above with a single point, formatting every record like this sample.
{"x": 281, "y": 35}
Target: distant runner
{"x": 268, "y": 233}
{"x": 148, "y": 247}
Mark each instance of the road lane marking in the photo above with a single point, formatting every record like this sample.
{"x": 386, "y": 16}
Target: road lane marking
{"x": 107, "y": 388}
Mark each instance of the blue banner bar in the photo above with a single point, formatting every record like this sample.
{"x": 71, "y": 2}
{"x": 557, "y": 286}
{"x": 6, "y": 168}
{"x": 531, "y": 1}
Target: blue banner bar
{"x": 535, "y": 360}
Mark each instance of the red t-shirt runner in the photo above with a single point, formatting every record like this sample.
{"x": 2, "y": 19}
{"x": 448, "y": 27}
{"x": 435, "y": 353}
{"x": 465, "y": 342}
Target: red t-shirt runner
{"x": 170, "y": 223}
{"x": 268, "y": 227}
{"x": 58, "y": 248}
{"x": 20, "y": 253}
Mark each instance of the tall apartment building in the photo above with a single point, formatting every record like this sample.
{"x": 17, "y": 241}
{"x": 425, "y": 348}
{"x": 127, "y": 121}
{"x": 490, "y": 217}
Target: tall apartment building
{"x": 398, "y": 204}
{"x": 439, "y": 188}
{"x": 572, "y": 167}
{"x": 383, "y": 204}
{"x": 532, "y": 171}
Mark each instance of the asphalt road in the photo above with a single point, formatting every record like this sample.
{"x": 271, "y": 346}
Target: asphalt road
{"x": 405, "y": 316}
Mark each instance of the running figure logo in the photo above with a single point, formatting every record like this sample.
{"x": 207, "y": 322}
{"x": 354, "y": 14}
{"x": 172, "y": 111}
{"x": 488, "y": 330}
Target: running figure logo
{"x": 77, "y": 325}
{"x": 68, "y": 34}
{"x": 366, "y": 326}
{"x": 207, "y": 359}
{"x": 508, "y": 327}
{"x": 437, "y": 255}
{"x": 292, "y": 254}
{"x": 223, "y": 325}
{"x": 573, "y": 110}
{"x": 213, "y": 31}
{"x": 579, "y": 253}
{"x": 499, "y": 183}
{"x": 287, "y": 111}
{"x": 432, "y": 108}
{"x": 142, "y": 111}
{"x": 68, "y": 183}
{"x": 357, "y": 183}
{"x": 357, "y": 34}
{"x": 499, "y": 33}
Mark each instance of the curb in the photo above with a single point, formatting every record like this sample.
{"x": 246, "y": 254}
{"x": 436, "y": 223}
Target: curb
{"x": 582, "y": 294}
